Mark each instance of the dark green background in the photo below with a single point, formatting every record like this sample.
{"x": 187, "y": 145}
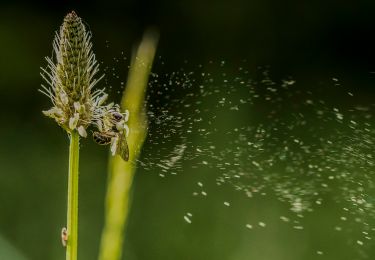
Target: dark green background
{"x": 312, "y": 41}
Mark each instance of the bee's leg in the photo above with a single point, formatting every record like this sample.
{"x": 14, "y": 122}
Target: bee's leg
{"x": 120, "y": 125}
{"x": 126, "y": 114}
{"x": 114, "y": 145}
{"x": 126, "y": 128}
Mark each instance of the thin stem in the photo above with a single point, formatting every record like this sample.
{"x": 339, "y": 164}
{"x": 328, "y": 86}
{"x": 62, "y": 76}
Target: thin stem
{"x": 72, "y": 217}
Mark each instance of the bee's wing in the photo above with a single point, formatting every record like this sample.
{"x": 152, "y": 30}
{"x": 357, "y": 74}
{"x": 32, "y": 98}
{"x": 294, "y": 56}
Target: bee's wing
{"x": 122, "y": 148}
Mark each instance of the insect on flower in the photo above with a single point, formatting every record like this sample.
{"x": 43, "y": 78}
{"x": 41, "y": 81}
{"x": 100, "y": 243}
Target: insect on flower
{"x": 77, "y": 105}
{"x": 113, "y": 130}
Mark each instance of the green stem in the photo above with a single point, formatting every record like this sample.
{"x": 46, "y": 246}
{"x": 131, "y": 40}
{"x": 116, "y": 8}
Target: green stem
{"x": 72, "y": 217}
{"x": 121, "y": 173}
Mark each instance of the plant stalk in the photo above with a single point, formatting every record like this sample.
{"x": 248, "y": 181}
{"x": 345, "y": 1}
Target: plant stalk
{"x": 121, "y": 173}
{"x": 72, "y": 215}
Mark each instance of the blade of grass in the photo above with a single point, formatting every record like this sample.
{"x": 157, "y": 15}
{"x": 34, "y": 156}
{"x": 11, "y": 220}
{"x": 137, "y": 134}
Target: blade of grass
{"x": 121, "y": 173}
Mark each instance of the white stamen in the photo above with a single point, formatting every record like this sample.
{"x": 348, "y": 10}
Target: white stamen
{"x": 73, "y": 121}
{"x": 77, "y": 106}
{"x": 64, "y": 98}
{"x": 53, "y": 112}
{"x": 102, "y": 99}
{"x": 82, "y": 131}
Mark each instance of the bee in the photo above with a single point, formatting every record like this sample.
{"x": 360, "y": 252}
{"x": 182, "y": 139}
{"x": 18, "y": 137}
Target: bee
{"x": 113, "y": 130}
{"x": 119, "y": 144}
{"x": 103, "y": 138}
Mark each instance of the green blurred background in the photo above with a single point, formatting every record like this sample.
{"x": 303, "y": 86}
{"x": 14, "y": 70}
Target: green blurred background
{"x": 312, "y": 41}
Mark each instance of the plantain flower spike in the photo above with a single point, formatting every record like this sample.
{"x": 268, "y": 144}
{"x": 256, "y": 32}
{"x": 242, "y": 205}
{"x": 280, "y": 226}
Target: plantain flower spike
{"x": 71, "y": 76}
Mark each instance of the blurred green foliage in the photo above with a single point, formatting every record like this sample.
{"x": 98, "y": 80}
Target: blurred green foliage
{"x": 311, "y": 41}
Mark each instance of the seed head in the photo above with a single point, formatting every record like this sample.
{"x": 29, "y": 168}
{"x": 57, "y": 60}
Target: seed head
{"x": 71, "y": 76}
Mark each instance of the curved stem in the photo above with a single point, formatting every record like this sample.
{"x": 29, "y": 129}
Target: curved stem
{"x": 72, "y": 216}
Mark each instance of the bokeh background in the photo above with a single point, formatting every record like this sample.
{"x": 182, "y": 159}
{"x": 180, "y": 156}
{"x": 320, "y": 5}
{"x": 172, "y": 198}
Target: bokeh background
{"x": 310, "y": 41}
